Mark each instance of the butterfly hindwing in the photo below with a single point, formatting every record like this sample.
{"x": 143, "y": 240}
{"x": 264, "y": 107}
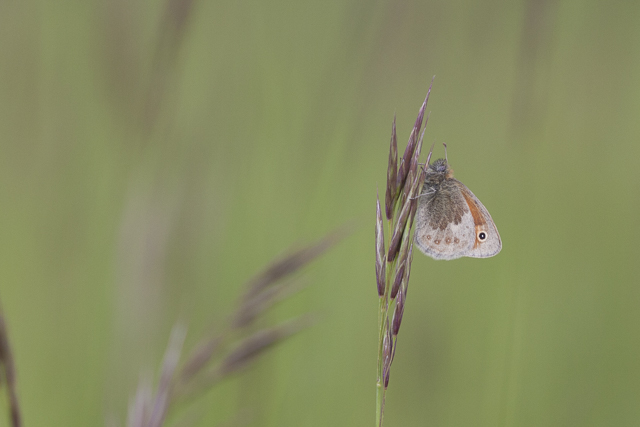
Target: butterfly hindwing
{"x": 492, "y": 244}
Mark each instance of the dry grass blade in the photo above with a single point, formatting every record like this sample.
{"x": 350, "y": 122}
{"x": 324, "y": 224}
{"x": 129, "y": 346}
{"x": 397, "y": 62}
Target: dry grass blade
{"x": 292, "y": 263}
{"x": 416, "y": 156}
{"x": 259, "y": 342}
{"x": 169, "y": 366}
{"x": 171, "y": 32}
{"x": 200, "y": 357}
{"x": 392, "y": 172}
{"x": 411, "y": 145}
{"x": 9, "y": 373}
{"x": 388, "y": 353}
{"x": 212, "y": 360}
{"x": 245, "y": 353}
{"x": 398, "y": 231}
{"x": 399, "y": 311}
{"x": 402, "y": 294}
{"x": 380, "y": 252}
{"x": 140, "y": 406}
{"x": 170, "y": 35}
{"x": 399, "y": 274}
{"x": 259, "y": 303}
{"x": 147, "y": 409}
{"x": 176, "y": 14}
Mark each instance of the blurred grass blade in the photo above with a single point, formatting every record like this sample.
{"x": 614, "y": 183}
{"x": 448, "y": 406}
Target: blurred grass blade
{"x": 245, "y": 353}
{"x": 254, "y": 306}
{"x": 140, "y": 406}
{"x": 169, "y": 366}
{"x": 9, "y": 373}
{"x": 292, "y": 263}
{"x": 259, "y": 342}
{"x": 200, "y": 357}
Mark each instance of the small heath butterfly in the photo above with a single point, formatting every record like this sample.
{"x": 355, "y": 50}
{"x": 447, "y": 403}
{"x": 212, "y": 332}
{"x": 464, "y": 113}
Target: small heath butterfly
{"x": 450, "y": 220}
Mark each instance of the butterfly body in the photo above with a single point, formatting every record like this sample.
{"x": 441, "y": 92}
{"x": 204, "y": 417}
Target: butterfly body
{"x": 450, "y": 220}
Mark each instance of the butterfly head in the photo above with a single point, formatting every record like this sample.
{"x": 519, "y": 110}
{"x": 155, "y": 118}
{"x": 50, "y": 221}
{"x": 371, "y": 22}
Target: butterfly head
{"x": 440, "y": 168}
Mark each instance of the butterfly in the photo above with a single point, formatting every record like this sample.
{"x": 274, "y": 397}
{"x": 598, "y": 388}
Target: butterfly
{"x": 450, "y": 220}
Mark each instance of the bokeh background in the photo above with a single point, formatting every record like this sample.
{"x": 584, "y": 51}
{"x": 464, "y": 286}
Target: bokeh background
{"x": 157, "y": 154}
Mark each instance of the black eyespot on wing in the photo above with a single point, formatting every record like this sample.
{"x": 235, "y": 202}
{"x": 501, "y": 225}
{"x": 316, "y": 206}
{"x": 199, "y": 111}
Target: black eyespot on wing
{"x": 482, "y": 236}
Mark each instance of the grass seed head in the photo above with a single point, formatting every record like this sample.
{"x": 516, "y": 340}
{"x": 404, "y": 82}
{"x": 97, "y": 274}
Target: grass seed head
{"x": 380, "y": 252}
{"x": 392, "y": 173}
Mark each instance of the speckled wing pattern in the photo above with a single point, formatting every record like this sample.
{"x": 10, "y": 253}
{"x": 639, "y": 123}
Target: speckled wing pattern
{"x": 449, "y": 224}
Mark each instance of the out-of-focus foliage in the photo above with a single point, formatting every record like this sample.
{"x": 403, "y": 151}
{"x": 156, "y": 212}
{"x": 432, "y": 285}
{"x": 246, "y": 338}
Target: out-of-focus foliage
{"x": 155, "y": 155}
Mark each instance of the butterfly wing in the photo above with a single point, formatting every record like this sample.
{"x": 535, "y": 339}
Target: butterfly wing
{"x": 483, "y": 223}
{"x": 444, "y": 225}
{"x": 450, "y": 223}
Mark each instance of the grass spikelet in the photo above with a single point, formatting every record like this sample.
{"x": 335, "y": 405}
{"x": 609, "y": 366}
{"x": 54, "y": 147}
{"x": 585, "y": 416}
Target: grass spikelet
{"x": 392, "y": 273}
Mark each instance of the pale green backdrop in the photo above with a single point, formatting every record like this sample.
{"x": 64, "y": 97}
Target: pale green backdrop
{"x": 154, "y": 156}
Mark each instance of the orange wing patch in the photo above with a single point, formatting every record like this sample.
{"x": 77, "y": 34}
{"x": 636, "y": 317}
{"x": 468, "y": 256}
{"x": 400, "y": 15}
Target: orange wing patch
{"x": 478, "y": 217}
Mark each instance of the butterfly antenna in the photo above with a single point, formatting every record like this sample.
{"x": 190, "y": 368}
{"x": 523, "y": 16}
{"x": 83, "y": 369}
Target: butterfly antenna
{"x": 445, "y": 153}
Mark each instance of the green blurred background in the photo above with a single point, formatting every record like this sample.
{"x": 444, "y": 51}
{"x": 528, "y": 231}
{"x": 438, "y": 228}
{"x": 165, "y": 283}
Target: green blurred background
{"x": 157, "y": 154}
